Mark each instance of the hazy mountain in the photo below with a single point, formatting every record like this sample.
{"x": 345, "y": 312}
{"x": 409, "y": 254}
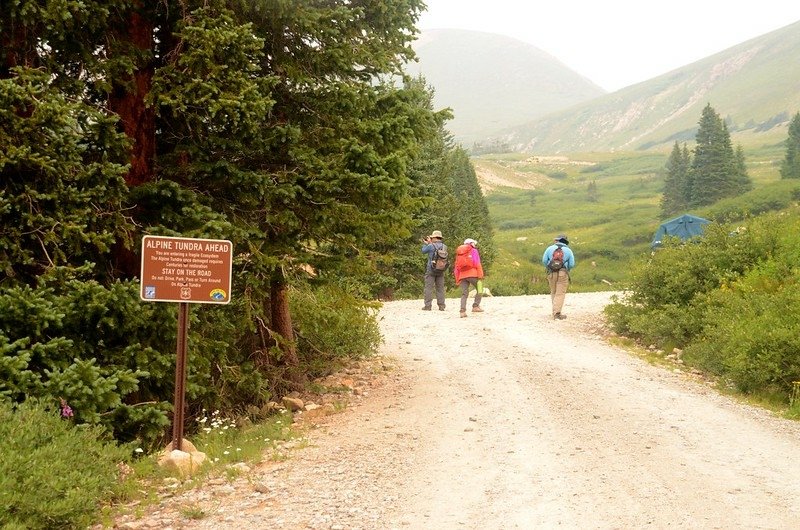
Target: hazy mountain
{"x": 754, "y": 86}
{"x": 493, "y": 82}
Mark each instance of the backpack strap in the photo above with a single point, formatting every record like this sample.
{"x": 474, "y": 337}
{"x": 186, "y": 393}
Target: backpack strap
{"x": 432, "y": 255}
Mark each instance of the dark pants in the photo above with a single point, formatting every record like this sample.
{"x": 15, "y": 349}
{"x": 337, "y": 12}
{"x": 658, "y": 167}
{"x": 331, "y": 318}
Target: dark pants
{"x": 434, "y": 281}
{"x": 466, "y": 283}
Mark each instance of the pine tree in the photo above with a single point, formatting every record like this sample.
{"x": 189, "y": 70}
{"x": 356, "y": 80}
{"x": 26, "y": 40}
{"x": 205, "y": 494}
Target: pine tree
{"x": 790, "y": 169}
{"x": 677, "y": 182}
{"x": 61, "y": 180}
{"x": 284, "y": 120}
{"x": 275, "y": 124}
{"x": 743, "y": 182}
{"x": 716, "y": 172}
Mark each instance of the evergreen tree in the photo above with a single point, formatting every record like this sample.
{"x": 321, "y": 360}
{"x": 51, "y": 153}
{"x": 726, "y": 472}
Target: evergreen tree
{"x": 743, "y": 182}
{"x": 470, "y": 218}
{"x": 677, "y": 182}
{"x": 275, "y": 124}
{"x": 715, "y": 171}
{"x": 61, "y": 180}
{"x": 304, "y": 147}
{"x": 790, "y": 169}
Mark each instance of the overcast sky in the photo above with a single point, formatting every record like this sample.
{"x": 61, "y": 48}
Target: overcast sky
{"x": 617, "y": 43}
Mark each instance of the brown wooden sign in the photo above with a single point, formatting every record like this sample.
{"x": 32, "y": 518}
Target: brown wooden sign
{"x": 176, "y": 269}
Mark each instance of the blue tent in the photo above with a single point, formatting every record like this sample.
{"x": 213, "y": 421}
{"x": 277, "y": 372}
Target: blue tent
{"x": 684, "y": 227}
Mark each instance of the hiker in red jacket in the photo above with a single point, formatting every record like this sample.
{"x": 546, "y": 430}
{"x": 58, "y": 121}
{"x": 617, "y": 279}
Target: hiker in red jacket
{"x": 469, "y": 273}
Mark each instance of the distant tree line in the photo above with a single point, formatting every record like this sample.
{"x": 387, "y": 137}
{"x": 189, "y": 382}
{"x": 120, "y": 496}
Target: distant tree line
{"x": 713, "y": 171}
{"x": 277, "y": 125}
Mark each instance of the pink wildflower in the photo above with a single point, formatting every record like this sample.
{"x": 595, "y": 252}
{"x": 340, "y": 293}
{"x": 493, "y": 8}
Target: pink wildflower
{"x": 66, "y": 410}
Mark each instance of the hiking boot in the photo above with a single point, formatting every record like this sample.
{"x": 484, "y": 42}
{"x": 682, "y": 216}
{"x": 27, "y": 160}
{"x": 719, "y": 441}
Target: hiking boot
{"x": 441, "y": 308}
{"x": 426, "y": 308}
{"x": 463, "y": 314}
{"x": 559, "y": 316}
{"x": 477, "y": 309}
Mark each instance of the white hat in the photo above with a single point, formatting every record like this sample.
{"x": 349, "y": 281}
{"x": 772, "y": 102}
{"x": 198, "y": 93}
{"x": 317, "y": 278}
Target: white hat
{"x": 470, "y": 241}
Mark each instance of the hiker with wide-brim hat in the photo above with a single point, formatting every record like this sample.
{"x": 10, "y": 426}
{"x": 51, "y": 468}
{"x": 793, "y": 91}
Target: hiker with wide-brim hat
{"x": 558, "y": 260}
{"x": 434, "y": 278}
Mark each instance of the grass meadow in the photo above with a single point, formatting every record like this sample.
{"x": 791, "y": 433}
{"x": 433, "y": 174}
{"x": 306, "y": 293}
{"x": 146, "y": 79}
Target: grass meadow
{"x": 608, "y": 204}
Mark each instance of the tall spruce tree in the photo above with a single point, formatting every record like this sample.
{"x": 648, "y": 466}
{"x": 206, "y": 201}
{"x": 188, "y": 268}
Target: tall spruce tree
{"x": 470, "y": 218}
{"x": 790, "y": 169}
{"x": 284, "y": 119}
{"x": 742, "y": 179}
{"x": 677, "y": 182}
{"x": 715, "y": 171}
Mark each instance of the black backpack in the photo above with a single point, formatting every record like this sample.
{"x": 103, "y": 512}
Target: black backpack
{"x": 556, "y": 260}
{"x": 440, "y": 261}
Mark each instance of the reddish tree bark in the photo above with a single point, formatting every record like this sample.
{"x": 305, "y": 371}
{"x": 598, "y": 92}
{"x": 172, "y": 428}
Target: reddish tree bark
{"x": 13, "y": 42}
{"x": 282, "y": 325}
{"x": 127, "y": 101}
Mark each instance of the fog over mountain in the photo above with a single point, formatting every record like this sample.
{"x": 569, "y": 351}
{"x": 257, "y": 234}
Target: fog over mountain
{"x": 509, "y": 93}
{"x": 493, "y": 82}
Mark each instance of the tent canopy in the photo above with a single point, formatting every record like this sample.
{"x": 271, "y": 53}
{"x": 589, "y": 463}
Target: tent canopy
{"x": 684, "y": 227}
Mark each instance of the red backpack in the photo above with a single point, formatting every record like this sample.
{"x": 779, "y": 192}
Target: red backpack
{"x": 557, "y": 260}
{"x": 464, "y": 261}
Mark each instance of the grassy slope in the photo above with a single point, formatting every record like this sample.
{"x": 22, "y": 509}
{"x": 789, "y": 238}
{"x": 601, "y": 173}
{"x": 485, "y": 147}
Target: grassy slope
{"x": 605, "y": 234}
{"x": 752, "y": 85}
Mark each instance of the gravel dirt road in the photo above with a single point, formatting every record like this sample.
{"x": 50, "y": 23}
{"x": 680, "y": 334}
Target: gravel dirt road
{"x": 510, "y": 420}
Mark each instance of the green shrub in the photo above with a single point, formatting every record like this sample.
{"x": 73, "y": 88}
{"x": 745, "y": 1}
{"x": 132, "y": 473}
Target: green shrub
{"x": 520, "y": 224}
{"x": 729, "y": 299}
{"x": 667, "y": 299}
{"x": 669, "y": 324}
{"x": 750, "y": 337}
{"x": 53, "y": 474}
{"x": 98, "y": 347}
{"x": 772, "y": 197}
{"x": 333, "y": 327}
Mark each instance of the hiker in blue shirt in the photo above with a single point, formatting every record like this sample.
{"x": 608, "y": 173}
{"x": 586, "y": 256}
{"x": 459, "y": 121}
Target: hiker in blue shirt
{"x": 433, "y": 278}
{"x": 558, "y": 260}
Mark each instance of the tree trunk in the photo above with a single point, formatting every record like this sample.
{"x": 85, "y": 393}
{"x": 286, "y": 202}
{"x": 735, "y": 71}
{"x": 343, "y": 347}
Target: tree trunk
{"x": 14, "y": 44}
{"x": 127, "y": 100}
{"x": 282, "y": 325}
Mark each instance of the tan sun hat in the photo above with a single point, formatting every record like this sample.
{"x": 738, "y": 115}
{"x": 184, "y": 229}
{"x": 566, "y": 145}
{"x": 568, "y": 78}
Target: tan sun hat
{"x": 436, "y": 233}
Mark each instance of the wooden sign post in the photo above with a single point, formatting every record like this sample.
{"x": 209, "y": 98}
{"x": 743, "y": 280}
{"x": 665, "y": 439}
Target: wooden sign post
{"x": 185, "y": 270}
